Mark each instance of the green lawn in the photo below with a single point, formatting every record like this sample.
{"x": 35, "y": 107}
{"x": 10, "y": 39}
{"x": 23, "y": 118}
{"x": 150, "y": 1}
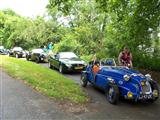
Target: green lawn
{"x": 43, "y": 79}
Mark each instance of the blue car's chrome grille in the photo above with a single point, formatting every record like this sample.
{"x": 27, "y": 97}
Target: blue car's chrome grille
{"x": 146, "y": 88}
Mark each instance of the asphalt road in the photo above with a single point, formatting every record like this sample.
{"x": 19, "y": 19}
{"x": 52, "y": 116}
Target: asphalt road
{"x": 100, "y": 109}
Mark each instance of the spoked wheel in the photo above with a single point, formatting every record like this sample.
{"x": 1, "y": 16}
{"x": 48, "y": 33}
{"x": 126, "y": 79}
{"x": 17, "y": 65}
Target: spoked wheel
{"x": 84, "y": 80}
{"x": 112, "y": 94}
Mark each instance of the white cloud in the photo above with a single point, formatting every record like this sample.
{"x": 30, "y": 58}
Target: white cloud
{"x": 30, "y": 8}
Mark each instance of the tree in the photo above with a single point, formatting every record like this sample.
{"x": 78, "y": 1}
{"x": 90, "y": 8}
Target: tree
{"x": 25, "y": 32}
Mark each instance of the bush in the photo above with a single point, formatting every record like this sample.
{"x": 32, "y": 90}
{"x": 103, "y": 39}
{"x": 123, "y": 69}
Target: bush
{"x": 147, "y": 62}
{"x": 68, "y": 43}
{"x": 87, "y": 58}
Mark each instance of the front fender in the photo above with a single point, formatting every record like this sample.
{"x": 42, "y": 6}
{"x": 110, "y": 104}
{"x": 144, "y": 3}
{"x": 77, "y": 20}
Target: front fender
{"x": 129, "y": 87}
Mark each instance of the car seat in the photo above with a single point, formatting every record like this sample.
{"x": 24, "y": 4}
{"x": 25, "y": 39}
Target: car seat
{"x": 109, "y": 62}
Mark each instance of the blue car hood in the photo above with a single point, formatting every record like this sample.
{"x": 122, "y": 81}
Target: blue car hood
{"x": 119, "y": 72}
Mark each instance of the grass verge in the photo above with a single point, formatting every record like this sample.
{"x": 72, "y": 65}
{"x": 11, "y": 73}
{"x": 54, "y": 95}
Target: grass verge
{"x": 43, "y": 79}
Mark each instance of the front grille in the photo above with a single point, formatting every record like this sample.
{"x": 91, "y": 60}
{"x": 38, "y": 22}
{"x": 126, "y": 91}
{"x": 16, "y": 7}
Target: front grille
{"x": 146, "y": 88}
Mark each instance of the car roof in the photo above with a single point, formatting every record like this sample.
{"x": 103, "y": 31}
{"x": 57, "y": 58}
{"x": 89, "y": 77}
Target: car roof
{"x": 18, "y": 48}
{"x": 37, "y": 50}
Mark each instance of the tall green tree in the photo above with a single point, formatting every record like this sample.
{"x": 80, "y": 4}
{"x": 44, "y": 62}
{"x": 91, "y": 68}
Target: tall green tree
{"x": 25, "y": 32}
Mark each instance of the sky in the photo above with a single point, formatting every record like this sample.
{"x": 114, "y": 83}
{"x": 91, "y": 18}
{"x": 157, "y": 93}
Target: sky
{"x": 27, "y": 8}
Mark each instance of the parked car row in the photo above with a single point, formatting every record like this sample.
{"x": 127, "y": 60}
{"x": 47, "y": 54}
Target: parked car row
{"x": 62, "y": 61}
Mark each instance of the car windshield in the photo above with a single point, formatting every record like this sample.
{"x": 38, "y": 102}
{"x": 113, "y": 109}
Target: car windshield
{"x": 67, "y": 55}
{"x": 1, "y": 47}
{"x": 17, "y": 49}
{"x": 37, "y": 51}
{"x": 108, "y": 62}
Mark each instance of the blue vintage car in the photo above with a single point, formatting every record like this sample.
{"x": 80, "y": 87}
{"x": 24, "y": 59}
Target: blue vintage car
{"x": 120, "y": 81}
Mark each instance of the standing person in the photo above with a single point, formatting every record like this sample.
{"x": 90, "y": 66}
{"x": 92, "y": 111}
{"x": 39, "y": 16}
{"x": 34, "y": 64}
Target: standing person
{"x": 50, "y": 47}
{"x": 45, "y": 49}
{"x": 125, "y": 57}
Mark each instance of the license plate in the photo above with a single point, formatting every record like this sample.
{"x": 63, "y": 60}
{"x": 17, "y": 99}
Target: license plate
{"x": 78, "y": 68}
{"x": 145, "y": 96}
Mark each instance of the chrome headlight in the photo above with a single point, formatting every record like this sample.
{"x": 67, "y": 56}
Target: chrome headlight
{"x": 111, "y": 80}
{"x": 143, "y": 83}
{"x": 130, "y": 94}
{"x": 126, "y": 77}
{"x": 155, "y": 93}
{"x": 148, "y": 76}
{"x": 68, "y": 65}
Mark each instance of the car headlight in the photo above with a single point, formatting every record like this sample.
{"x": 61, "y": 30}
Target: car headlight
{"x": 130, "y": 94}
{"x": 143, "y": 83}
{"x": 155, "y": 93}
{"x": 68, "y": 65}
{"x": 111, "y": 80}
{"x": 126, "y": 77}
{"x": 148, "y": 76}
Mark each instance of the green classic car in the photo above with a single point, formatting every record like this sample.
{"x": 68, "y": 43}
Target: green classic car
{"x": 67, "y": 62}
